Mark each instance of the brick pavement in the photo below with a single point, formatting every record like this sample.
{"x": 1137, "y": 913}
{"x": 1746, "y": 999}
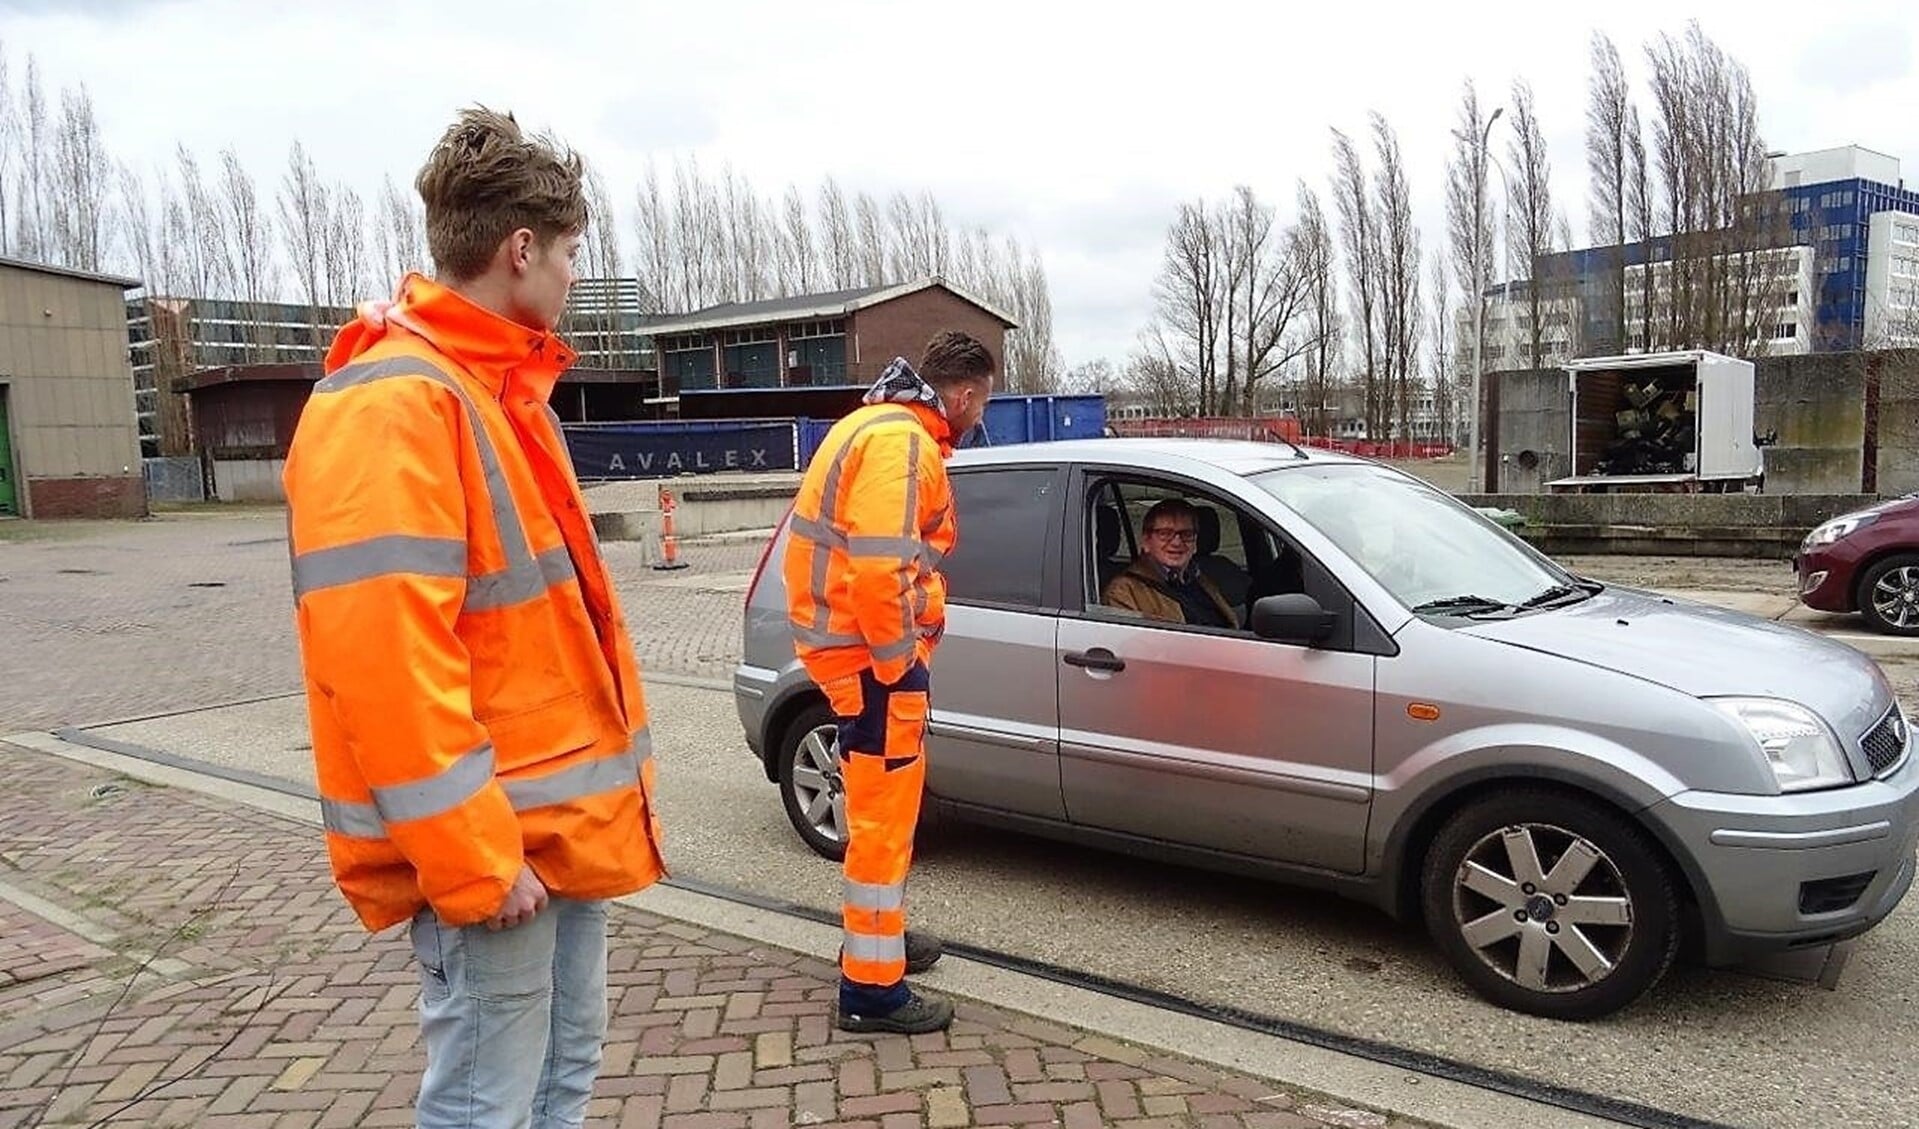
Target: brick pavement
{"x": 239, "y": 991}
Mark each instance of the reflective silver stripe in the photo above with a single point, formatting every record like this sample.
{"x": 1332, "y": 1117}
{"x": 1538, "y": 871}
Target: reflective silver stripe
{"x": 439, "y": 793}
{"x": 378, "y": 556}
{"x": 906, "y": 550}
{"x": 865, "y": 895}
{"x": 813, "y": 531}
{"x": 829, "y": 505}
{"x": 358, "y": 821}
{"x": 589, "y": 778}
{"x": 859, "y": 946}
{"x": 899, "y": 648}
{"x": 363, "y": 821}
{"x": 910, "y": 524}
{"x": 505, "y": 588}
{"x": 522, "y": 579}
{"x": 812, "y": 638}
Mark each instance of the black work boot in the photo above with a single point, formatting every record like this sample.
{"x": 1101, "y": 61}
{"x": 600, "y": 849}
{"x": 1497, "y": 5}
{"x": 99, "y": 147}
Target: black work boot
{"x": 917, "y": 1016}
{"x": 923, "y": 951}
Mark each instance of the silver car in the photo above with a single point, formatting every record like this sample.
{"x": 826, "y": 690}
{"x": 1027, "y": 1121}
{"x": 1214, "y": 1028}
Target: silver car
{"x": 1562, "y": 779}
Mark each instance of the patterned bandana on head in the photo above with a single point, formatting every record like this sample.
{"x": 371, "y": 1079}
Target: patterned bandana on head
{"x": 899, "y": 384}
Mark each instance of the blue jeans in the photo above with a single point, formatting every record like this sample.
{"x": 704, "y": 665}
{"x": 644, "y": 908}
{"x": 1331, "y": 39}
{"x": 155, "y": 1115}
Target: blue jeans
{"x": 513, "y": 1020}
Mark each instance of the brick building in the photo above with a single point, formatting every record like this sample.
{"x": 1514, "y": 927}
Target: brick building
{"x": 68, "y": 445}
{"x": 841, "y": 337}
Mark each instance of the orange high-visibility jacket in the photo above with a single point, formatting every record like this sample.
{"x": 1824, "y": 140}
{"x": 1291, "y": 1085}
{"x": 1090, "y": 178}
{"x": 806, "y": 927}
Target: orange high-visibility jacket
{"x": 873, "y": 518}
{"x": 473, "y": 696}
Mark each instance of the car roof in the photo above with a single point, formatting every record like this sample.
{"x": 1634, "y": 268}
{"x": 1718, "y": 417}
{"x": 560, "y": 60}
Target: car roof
{"x": 1234, "y": 456}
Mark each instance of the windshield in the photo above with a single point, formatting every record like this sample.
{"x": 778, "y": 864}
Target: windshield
{"x": 1432, "y": 553}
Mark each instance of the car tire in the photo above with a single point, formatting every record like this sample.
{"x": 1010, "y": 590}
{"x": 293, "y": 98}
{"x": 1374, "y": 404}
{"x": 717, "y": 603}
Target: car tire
{"x": 1574, "y": 943}
{"x": 808, "y": 765}
{"x": 1887, "y": 612}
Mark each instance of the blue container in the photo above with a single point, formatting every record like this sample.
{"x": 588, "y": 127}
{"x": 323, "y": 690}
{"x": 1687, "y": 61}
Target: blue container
{"x": 1039, "y": 419}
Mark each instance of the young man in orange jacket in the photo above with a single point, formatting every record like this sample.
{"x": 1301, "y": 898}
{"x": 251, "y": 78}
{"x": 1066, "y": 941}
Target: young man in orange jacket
{"x": 479, "y": 733}
{"x": 871, "y": 522}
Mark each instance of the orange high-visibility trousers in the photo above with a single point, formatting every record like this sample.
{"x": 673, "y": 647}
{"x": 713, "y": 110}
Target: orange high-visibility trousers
{"x": 882, "y": 751}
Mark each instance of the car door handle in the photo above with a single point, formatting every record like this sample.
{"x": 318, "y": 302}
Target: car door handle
{"x": 1099, "y": 658}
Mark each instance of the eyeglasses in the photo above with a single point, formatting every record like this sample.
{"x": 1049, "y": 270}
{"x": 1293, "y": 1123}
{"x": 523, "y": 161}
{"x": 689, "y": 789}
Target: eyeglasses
{"x": 1165, "y": 534}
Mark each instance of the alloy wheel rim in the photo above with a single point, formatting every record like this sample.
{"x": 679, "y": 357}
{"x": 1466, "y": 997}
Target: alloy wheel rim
{"x": 1896, "y": 597}
{"x": 1543, "y": 907}
{"x": 817, "y": 784}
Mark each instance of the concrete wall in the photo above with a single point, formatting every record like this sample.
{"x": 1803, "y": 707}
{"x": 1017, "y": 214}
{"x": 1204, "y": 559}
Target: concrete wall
{"x": 63, "y": 355}
{"x": 1535, "y": 431}
{"x": 249, "y": 480}
{"x": 1817, "y": 404}
{"x": 1898, "y": 418}
{"x": 1739, "y": 525}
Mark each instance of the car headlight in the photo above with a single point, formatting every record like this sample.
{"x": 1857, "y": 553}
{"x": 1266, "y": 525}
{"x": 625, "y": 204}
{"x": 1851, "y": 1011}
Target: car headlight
{"x": 1840, "y": 527}
{"x": 1796, "y": 743}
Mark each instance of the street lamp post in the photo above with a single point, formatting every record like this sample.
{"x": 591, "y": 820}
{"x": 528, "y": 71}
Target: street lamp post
{"x": 1474, "y": 480}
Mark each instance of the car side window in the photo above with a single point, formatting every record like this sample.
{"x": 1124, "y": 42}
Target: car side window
{"x": 1220, "y": 547}
{"x": 1004, "y": 516}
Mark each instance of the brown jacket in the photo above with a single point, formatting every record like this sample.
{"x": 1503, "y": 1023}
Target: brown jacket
{"x": 1140, "y": 589}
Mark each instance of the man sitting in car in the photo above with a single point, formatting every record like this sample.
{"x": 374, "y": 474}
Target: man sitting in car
{"x": 1163, "y": 583}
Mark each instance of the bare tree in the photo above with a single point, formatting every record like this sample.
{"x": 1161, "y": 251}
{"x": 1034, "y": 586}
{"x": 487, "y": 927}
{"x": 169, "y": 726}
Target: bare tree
{"x": 1032, "y": 361}
{"x": 600, "y": 258}
{"x": 33, "y": 228}
{"x": 256, "y": 272}
{"x": 1158, "y": 381}
{"x": 1273, "y": 299}
{"x": 82, "y": 177}
{"x": 1640, "y": 225}
{"x": 1470, "y": 235}
{"x": 659, "y": 268}
{"x": 1359, "y": 231}
{"x": 9, "y": 155}
{"x": 1324, "y": 326}
{"x": 1713, "y": 167}
{"x": 698, "y": 240}
{"x": 344, "y": 259}
{"x": 1444, "y": 364}
{"x": 304, "y": 209}
{"x": 871, "y": 241}
{"x": 838, "y": 245}
{"x": 1191, "y": 296}
{"x": 798, "y": 272}
{"x": 208, "y": 256}
{"x": 1609, "y": 111}
{"x": 1533, "y": 216}
{"x": 1399, "y": 270}
{"x": 401, "y": 223}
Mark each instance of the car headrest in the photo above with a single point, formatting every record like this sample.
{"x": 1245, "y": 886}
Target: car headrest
{"x": 1208, "y": 530}
{"x": 1106, "y": 531}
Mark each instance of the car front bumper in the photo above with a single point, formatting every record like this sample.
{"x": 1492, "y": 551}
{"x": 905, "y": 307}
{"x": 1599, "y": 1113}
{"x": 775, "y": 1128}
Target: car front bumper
{"x": 1782, "y": 872}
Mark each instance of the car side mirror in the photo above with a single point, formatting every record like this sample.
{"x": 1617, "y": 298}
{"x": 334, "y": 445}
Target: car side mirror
{"x": 1293, "y": 618}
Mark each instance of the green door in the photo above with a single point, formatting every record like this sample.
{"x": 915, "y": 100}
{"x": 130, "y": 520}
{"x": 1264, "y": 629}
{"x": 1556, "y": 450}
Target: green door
{"x": 9, "y": 497}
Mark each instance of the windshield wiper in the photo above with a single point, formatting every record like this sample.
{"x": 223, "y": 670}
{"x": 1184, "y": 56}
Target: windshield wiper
{"x": 1467, "y": 604}
{"x": 1555, "y": 594}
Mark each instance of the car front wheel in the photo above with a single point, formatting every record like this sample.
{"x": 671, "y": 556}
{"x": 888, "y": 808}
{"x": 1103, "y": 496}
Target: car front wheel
{"x": 1550, "y": 904}
{"x": 810, "y": 783}
{"x": 1889, "y": 595}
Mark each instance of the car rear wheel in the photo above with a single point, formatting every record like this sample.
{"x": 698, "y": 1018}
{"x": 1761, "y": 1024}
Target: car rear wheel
{"x": 1550, "y": 904}
{"x": 1889, "y": 595}
{"x": 810, "y": 783}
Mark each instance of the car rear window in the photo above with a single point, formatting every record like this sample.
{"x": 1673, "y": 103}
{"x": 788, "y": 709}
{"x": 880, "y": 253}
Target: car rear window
{"x": 1003, "y": 517}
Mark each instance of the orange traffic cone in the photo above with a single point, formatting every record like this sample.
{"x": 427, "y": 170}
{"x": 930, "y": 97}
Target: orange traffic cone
{"x": 669, "y": 543}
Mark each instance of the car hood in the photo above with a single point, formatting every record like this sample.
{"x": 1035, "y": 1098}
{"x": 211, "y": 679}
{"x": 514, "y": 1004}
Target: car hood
{"x": 1706, "y": 652}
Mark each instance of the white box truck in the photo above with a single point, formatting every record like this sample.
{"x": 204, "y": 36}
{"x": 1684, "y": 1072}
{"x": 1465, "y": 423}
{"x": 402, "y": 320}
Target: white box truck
{"x": 1678, "y": 422}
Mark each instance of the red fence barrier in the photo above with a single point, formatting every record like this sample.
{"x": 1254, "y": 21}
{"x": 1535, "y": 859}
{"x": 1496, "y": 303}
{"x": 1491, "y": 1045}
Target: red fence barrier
{"x": 1274, "y": 429}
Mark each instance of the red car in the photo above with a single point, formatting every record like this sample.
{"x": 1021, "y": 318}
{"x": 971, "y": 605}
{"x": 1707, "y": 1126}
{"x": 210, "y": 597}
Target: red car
{"x": 1866, "y": 561}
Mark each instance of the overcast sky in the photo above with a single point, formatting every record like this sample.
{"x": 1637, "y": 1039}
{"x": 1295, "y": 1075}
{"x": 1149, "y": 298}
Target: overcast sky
{"x": 1078, "y": 135}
